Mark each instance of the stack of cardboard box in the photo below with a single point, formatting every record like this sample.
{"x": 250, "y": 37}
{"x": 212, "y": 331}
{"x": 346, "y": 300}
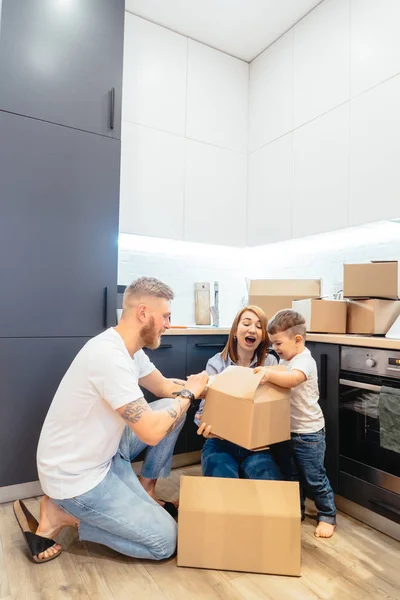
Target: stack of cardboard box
{"x": 276, "y": 294}
{"x": 373, "y": 291}
{"x": 242, "y": 524}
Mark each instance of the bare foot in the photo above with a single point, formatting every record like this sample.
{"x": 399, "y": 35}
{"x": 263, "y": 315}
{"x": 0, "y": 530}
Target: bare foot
{"x": 324, "y": 530}
{"x": 52, "y": 520}
{"x": 150, "y": 487}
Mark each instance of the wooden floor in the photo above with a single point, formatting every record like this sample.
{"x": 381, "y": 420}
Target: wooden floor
{"x": 357, "y": 563}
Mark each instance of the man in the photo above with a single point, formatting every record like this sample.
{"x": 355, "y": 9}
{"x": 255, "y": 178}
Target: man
{"x": 98, "y": 423}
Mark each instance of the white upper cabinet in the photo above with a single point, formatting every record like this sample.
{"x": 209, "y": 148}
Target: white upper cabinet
{"x": 271, "y": 93}
{"x": 375, "y": 42}
{"x": 217, "y": 94}
{"x": 270, "y": 192}
{"x": 321, "y": 174}
{"x": 321, "y": 60}
{"x": 152, "y": 181}
{"x": 215, "y": 195}
{"x": 154, "y": 80}
{"x": 375, "y": 151}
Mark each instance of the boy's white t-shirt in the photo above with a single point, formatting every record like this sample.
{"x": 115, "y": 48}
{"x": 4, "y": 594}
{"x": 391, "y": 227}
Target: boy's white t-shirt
{"x": 82, "y": 429}
{"x": 305, "y": 413}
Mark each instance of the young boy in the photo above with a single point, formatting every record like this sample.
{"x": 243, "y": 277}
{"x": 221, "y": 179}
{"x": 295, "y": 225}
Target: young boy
{"x": 287, "y": 332}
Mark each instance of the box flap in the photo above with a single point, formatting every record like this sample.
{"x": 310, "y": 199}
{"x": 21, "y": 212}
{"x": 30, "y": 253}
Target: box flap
{"x": 236, "y": 381}
{"x": 239, "y": 496}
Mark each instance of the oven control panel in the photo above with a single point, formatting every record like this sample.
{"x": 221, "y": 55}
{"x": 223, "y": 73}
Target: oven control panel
{"x": 385, "y": 363}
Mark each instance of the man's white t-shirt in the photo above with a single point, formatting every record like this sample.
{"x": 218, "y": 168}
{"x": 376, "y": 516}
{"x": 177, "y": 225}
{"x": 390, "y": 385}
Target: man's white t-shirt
{"x": 305, "y": 413}
{"x": 82, "y": 429}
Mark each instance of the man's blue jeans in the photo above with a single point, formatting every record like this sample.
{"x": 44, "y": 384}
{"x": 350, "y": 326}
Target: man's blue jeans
{"x": 118, "y": 512}
{"x": 220, "y": 458}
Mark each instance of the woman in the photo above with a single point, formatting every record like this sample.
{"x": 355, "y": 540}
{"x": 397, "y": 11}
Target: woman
{"x": 247, "y": 346}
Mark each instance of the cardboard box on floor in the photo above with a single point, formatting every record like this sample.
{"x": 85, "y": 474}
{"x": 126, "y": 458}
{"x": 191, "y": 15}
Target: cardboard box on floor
{"x": 323, "y": 316}
{"x": 276, "y": 294}
{"x": 246, "y": 413}
{"x": 377, "y": 279}
{"x": 239, "y": 525}
{"x": 373, "y": 316}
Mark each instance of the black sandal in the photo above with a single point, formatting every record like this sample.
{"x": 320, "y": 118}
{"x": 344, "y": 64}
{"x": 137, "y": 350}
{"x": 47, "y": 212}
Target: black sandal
{"x": 170, "y": 508}
{"x": 28, "y": 525}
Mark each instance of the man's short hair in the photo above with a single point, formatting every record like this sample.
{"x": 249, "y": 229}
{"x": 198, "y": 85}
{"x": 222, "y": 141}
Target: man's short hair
{"x": 146, "y": 286}
{"x": 288, "y": 321}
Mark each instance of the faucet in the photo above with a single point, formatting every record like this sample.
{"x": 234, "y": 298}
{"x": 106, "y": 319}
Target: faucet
{"x": 214, "y": 309}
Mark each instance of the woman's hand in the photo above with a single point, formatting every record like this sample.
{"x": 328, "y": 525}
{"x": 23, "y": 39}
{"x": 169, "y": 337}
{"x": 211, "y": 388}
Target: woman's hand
{"x": 204, "y": 430}
{"x": 264, "y": 371}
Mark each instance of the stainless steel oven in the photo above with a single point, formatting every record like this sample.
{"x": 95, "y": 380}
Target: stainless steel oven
{"x": 369, "y": 429}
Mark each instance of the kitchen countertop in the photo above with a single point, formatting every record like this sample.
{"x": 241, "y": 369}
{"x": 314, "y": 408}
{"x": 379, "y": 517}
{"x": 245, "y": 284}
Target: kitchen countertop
{"x": 368, "y": 341}
{"x": 198, "y": 331}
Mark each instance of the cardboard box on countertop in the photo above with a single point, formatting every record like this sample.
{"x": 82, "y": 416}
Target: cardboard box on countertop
{"x": 323, "y": 316}
{"x": 372, "y": 316}
{"x": 276, "y": 294}
{"x": 244, "y": 412}
{"x": 239, "y": 525}
{"x": 377, "y": 279}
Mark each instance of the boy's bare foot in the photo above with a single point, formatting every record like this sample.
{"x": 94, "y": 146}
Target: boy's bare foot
{"x": 324, "y": 530}
{"x": 52, "y": 520}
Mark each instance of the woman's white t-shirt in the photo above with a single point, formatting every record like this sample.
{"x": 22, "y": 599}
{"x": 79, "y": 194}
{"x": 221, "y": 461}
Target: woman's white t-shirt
{"x": 82, "y": 429}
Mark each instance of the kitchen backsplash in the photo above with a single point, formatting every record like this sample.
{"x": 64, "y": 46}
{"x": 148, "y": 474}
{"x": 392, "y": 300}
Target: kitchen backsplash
{"x": 181, "y": 264}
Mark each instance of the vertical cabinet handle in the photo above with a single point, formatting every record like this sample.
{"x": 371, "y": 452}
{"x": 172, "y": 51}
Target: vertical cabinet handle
{"x": 105, "y": 305}
{"x": 324, "y": 376}
{"x": 112, "y": 107}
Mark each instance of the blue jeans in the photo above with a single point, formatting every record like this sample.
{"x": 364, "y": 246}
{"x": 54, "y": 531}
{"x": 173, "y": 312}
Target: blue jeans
{"x": 118, "y": 512}
{"x": 309, "y": 454}
{"x": 220, "y": 458}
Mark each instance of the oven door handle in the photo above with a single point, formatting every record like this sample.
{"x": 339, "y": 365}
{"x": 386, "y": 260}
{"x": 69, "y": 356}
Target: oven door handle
{"x": 361, "y": 386}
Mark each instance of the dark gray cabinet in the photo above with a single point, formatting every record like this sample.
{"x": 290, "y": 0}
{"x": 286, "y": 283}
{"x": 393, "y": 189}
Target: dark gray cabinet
{"x": 180, "y": 356}
{"x": 61, "y": 61}
{"x": 199, "y": 349}
{"x": 327, "y": 357}
{"x": 58, "y": 229}
{"x": 170, "y": 360}
{"x": 30, "y": 372}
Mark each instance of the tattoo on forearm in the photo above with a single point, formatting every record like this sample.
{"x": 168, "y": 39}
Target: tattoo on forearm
{"x": 134, "y": 410}
{"x": 174, "y": 414}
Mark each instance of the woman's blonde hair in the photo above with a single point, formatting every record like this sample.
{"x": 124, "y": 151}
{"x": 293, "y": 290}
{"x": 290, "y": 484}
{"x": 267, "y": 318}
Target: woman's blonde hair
{"x": 230, "y": 349}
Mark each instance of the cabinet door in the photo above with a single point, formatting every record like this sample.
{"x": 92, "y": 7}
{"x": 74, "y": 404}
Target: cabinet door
{"x": 30, "y": 372}
{"x": 170, "y": 360}
{"x": 60, "y": 61}
{"x": 58, "y": 229}
{"x": 199, "y": 349}
{"x": 327, "y": 357}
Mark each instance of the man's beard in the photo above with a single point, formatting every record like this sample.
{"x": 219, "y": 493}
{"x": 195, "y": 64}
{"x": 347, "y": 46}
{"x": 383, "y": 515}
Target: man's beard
{"x": 150, "y": 336}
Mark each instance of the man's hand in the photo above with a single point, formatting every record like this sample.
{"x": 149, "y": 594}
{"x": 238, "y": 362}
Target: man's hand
{"x": 197, "y": 383}
{"x": 263, "y": 370}
{"x": 205, "y": 430}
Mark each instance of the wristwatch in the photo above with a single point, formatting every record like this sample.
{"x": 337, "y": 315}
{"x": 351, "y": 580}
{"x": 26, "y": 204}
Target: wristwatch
{"x": 187, "y": 394}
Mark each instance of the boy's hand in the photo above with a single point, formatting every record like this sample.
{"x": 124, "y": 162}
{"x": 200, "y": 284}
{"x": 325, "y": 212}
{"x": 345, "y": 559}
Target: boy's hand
{"x": 264, "y": 371}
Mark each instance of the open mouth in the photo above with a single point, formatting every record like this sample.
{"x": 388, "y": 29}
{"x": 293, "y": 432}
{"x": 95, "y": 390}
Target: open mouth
{"x": 249, "y": 339}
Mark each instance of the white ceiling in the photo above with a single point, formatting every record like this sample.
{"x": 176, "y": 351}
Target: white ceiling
{"x": 242, "y": 28}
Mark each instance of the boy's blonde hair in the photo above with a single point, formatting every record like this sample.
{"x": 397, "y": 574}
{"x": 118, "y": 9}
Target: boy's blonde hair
{"x": 288, "y": 321}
